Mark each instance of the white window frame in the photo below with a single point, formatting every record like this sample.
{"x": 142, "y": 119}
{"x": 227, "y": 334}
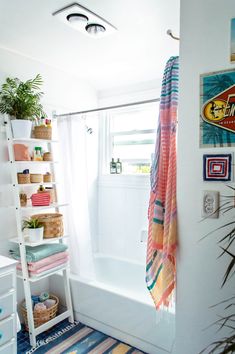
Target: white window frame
{"x": 106, "y": 144}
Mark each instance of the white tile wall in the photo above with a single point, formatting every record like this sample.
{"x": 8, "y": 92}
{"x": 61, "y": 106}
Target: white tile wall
{"x": 122, "y": 214}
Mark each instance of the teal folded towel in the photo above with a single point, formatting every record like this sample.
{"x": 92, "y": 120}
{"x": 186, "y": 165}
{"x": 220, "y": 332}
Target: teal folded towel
{"x": 34, "y": 254}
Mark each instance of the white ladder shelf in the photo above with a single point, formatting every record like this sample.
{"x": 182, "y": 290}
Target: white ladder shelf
{"x": 33, "y": 332}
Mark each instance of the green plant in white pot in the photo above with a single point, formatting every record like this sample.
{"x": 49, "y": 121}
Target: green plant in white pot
{"x": 34, "y": 230}
{"x": 21, "y": 100}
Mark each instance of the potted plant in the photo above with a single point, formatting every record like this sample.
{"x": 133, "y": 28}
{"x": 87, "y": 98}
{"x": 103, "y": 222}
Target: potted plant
{"x": 34, "y": 229}
{"x": 21, "y": 100}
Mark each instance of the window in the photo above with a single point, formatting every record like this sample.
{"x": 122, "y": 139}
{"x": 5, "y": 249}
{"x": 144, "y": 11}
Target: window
{"x": 130, "y": 136}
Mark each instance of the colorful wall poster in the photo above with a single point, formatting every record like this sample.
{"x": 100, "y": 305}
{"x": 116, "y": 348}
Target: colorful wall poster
{"x": 232, "y": 44}
{"x": 217, "y": 109}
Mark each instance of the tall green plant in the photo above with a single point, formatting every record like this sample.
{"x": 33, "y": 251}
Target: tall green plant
{"x": 21, "y": 100}
{"x": 227, "y": 344}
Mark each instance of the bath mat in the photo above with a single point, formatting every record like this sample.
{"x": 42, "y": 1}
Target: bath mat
{"x": 75, "y": 338}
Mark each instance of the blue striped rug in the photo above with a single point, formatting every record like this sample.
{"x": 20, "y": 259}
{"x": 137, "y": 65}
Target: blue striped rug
{"x": 75, "y": 338}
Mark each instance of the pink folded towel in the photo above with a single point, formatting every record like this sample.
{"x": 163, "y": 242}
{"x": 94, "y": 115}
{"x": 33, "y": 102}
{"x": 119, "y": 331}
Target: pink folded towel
{"x": 47, "y": 266}
{"x": 48, "y": 260}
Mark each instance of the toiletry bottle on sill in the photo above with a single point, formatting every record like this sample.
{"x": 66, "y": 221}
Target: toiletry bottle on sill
{"x": 118, "y": 166}
{"x": 112, "y": 166}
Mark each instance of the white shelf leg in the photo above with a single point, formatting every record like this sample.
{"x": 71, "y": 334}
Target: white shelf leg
{"x": 68, "y": 294}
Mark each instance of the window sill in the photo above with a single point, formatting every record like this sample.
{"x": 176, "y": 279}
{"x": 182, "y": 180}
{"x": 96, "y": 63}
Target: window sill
{"x": 141, "y": 181}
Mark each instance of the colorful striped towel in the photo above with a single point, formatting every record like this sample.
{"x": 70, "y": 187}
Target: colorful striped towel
{"x": 162, "y": 233}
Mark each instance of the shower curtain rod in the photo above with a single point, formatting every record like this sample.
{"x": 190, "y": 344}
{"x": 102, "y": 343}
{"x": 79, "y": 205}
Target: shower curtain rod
{"x": 106, "y": 108}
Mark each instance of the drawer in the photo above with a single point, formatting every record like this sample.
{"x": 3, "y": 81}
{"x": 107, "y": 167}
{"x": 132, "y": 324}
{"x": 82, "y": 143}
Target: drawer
{"x": 7, "y": 305}
{"x": 6, "y": 282}
{"x": 7, "y": 330}
{"x": 8, "y": 348}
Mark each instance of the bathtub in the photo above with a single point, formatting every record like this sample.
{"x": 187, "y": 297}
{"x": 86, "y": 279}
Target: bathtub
{"x": 117, "y": 303}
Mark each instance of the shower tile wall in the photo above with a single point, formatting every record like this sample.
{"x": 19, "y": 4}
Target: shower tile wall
{"x": 123, "y": 206}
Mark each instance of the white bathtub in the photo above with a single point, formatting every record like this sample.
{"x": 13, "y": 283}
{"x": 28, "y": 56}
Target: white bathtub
{"x": 117, "y": 303}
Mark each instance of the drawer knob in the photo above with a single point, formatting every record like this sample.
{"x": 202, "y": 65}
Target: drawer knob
{"x": 1, "y": 335}
{"x": 1, "y": 310}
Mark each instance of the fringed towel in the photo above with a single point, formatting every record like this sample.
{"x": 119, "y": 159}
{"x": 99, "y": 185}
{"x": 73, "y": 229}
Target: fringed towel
{"x": 162, "y": 233}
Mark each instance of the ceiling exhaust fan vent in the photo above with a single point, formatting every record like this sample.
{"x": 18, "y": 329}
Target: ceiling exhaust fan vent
{"x": 85, "y": 21}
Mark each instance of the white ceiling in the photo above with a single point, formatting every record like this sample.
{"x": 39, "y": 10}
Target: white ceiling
{"x": 136, "y": 53}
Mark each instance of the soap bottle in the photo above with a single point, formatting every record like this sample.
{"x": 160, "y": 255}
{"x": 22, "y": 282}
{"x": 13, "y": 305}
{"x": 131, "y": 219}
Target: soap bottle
{"x": 118, "y": 166}
{"x": 112, "y": 166}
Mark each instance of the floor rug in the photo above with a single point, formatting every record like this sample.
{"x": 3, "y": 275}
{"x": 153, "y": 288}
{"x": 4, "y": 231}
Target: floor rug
{"x": 75, "y": 338}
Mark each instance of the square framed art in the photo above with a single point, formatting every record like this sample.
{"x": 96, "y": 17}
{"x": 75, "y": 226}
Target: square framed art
{"x": 217, "y": 167}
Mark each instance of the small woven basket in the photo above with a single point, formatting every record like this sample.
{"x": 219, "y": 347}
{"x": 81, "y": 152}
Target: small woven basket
{"x": 53, "y": 224}
{"x": 23, "y": 178}
{"x": 47, "y": 156}
{"x": 47, "y": 178}
{"x": 42, "y": 316}
{"x": 42, "y": 132}
{"x": 36, "y": 177}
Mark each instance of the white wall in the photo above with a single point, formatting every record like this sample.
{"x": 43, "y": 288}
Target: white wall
{"x": 63, "y": 93}
{"x": 204, "y": 47}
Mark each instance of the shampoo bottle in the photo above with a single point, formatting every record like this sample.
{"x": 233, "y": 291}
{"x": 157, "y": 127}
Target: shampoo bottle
{"x": 112, "y": 166}
{"x": 118, "y": 166}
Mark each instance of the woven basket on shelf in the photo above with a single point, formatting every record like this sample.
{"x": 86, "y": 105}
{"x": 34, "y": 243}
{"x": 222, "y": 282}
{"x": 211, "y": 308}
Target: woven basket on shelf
{"x": 23, "y": 178}
{"x": 47, "y": 178}
{"x": 42, "y": 316}
{"x": 36, "y": 177}
{"x": 53, "y": 224}
{"x": 47, "y": 156}
{"x": 42, "y": 132}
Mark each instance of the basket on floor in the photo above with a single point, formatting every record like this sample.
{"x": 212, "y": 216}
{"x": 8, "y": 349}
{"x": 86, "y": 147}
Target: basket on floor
{"x": 42, "y": 316}
{"x": 53, "y": 224}
{"x": 42, "y": 132}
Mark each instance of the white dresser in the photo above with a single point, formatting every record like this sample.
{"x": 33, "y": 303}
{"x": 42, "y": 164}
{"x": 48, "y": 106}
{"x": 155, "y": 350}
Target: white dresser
{"x": 8, "y": 315}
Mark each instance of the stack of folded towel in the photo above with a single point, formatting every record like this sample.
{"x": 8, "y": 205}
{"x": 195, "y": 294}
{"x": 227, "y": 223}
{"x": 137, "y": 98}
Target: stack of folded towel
{"x": 42, "y": 259}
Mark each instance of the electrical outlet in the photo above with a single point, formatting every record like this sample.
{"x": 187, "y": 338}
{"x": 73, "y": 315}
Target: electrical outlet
{"x": 210, "y": 204}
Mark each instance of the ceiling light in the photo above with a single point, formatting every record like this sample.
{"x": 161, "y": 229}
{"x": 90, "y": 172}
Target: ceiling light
{"x": 85, "y": 21}
{"x": 95, "y": 29}
{"x": 77, "y": 18}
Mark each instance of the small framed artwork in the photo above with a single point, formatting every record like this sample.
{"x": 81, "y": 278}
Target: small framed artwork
{"x": 217, "y": 167}
{"x": 232, "y": 44}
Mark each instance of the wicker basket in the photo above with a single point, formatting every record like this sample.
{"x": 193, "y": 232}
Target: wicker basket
{"x": 36, "y": 178}
{"x": 42, "y": 316}
{"x": 47, "y": 156}
{"x": 23, "y": 178}
{"x": 53, "y": 224}
{"x": 42, "y": 132}
{"x": 47, "y": 178}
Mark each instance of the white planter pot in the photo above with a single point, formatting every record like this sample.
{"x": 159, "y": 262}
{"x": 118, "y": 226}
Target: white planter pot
{"x": 21, "y": 128}
{"x": 35, "y": 235}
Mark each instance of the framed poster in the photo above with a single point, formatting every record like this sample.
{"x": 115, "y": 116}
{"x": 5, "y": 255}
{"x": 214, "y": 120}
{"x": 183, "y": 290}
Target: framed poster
{"x": 217, "y": 109}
